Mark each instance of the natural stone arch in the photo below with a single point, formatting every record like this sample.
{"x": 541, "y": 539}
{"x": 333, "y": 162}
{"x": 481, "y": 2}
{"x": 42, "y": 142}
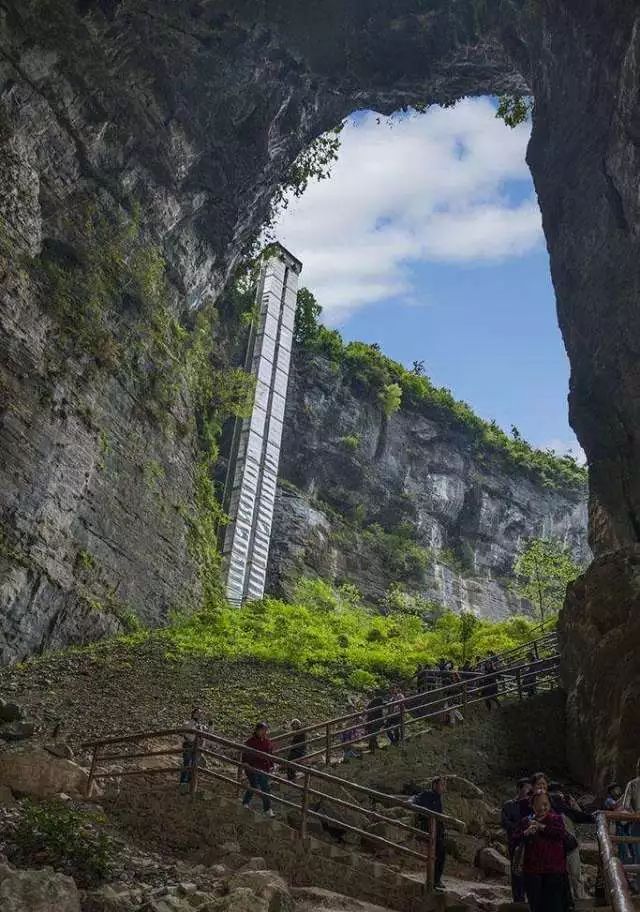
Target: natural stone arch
{"x": 197, "y": 108}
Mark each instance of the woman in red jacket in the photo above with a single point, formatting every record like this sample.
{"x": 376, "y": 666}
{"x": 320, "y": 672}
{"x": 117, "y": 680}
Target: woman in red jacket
{"x": 545, "y": 864}
{"x": 257, "y": 767}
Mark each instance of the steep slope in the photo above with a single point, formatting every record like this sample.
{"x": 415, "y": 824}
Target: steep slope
{"x": 410, "y": 499}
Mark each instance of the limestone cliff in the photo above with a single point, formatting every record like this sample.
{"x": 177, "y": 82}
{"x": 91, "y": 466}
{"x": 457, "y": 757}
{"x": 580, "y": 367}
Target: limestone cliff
{"x": 411, "y": 499}
{"x": 194, "y": 111}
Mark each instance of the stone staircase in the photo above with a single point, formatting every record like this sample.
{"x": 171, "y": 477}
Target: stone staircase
{"x": 207, "y": 826}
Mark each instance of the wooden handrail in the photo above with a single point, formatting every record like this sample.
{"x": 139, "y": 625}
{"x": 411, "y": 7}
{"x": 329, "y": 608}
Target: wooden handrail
{"x": 278, "y": 761}
{"x": 240, "y": 751}
{"x": 616, "y": 882}
{"x": 434, "y": 698}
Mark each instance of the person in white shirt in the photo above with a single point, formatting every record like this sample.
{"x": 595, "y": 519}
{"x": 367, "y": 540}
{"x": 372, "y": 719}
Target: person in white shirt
{"x": 195, "y": 723}
{"x": 631, "y": 802}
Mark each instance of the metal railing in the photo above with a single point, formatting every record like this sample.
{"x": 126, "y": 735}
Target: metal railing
{"x": 400, "y": 719}
{"x": 614, "y": 870}
{"x": 544, "y": 645}
{"x": 223, "y": 756}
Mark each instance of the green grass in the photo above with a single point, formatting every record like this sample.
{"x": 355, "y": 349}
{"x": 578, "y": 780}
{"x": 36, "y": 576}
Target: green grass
{"x": 328, "y": 633}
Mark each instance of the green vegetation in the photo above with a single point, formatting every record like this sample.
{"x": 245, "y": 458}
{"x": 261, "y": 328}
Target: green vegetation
{"x": 398, "y": 554}
{"x": 152, "y": 473}
{"x": 111, "y": 604}
{"x": 69, "y": 841}
{"x": 543, "y": 570}
{"x": 351, "y": 441}
{"x": 390, "y": 398}
{"x": 390, "y": 383}
{"x": 328, "y": 632}
{"x": 85, "y": 560}
{"x": 514, "y": 109}
{"x": 313, "y": 163}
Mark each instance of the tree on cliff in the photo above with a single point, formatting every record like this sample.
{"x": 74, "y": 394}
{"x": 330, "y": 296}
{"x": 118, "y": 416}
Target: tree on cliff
{"x": 543, "y": 570}
{"x": 307, "y": 315}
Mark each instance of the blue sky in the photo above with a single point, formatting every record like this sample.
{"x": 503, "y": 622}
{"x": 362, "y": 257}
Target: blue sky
{"x": 427, "y": 239}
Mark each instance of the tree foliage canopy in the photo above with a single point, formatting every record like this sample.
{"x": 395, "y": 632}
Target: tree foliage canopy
{"x": 543, "y": 570}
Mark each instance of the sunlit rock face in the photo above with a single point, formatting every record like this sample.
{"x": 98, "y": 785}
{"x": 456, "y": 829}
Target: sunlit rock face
{"x": 470, "y": 509}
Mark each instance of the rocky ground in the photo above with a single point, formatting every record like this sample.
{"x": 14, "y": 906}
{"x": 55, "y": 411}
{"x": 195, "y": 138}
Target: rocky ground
{"x": 116, "y": 687}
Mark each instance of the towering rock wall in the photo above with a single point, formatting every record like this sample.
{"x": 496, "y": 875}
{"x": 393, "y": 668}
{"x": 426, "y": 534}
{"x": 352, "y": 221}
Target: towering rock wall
{"x": 194, "y": 111}
{"x": 410, "y": 499}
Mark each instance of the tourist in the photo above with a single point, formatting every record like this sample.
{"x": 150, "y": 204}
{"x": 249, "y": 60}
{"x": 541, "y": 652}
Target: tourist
{"x": 257, "y": 767}
{"x": 544, "y": 863}
{"x": 529, "y": 678}
{"x": 490, "y": 683}
{"x": 195, "y": 723}
{"x": 298, "y": 747}
{"x": 422, "y": 677}
{"x": 613, "y": 802}
{"x": 539, "y": 782}
{"x": 513, "y": 812}
{"x": 375, "y": 720}
{"x": 571, "y": 813}
{"x": 394, "y": 716}
{"x": 631, "y": 803}
{"x": 431, "y": 800}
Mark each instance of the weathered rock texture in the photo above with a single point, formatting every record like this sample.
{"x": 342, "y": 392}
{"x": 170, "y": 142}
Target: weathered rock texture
{"x": 197, "y": 110}
{"x": 420, "y": 473}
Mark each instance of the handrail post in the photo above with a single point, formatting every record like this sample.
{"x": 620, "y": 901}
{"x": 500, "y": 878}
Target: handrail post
{"x": 239, "y": 772}
{"x": 305, "y": 805}
{"x": 327, "y": 749}
{"x": 535, "y": 650}
{"x": 195, "y": 762}
{"x": 92, "y": 769}
{"x": 402, "y": 721}
{"x": 431, "y": 856}
{"x": 519, "y": 683}
{"x": 465, "y": 695}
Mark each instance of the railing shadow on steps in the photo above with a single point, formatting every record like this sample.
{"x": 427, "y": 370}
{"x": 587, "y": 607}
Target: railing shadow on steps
{"x": 225, "y": 755}
{"x": 326, "y": 742}
{"x": 615, "y": 872}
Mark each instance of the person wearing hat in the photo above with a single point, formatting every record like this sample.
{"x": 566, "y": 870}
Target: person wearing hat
{"x": 298, "y": 747}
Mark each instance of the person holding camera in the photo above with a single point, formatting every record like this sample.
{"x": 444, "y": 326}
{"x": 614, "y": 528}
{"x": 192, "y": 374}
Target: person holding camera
{"x": 544, "y": 863}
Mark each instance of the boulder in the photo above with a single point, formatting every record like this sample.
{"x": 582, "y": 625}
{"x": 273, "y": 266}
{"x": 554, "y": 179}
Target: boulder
{"x": 60, "y": 749}
{"x": 17, "y": 731}
{"x": 458, "y": 785}
{"x": 37, "y": 891}
{"x": 267, "y": 885}
{"x": 590, "y": 853}
{"x": 108, "y": 899}
{"x": 10, "y": 712}
{"x": 35, "y": 772}
{"x": 6, "y": 797}
{"x": 242, "y": 899}
{"x": 254, "y": 864}
{"x": 490, "y": 861}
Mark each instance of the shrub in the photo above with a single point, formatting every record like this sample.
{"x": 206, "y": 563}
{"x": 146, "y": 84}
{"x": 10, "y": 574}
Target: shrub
{"x": 70, "y": 841}
{"x": 328, "y": 632}
{"x": 390, "y": 398}
{"x": 351, "y": 441}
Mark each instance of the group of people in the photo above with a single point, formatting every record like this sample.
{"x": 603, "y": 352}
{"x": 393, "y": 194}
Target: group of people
{"x": 627, "y": 801}
{"x": 491, "y": 673}
{"x": 543, "y": 850}
{"x": 540, "y": 823}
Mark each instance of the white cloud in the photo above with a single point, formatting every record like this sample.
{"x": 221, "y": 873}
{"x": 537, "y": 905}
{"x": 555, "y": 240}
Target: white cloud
{"x": 420, "y": 188}
{"x": 563, "y": 447}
